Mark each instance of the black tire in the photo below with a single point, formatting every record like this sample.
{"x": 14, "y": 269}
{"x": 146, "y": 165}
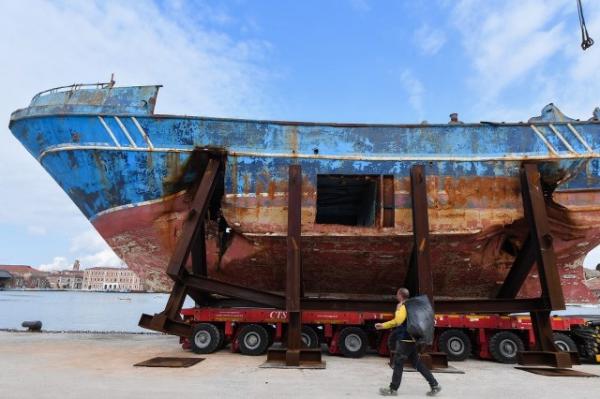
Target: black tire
{"x": 504, "y": 346}
{"x": 353, "y": 342}
{"x": 222, "y": 341}
{"x": 309, "y": 337}
{"x": 206, "y": 338}
{"x": 564, "y": 343}
{"x": 253, "y": 340}
{"x": 456, "y": 344}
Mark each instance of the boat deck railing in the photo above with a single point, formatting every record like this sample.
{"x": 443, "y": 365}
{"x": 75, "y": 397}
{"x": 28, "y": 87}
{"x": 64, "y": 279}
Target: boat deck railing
{"x": 74, "y": 87}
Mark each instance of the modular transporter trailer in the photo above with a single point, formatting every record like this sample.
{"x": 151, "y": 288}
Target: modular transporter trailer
{"x": 251, "y": 331}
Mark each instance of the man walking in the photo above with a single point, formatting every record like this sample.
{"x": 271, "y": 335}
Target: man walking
{"x": 406, "y": 348}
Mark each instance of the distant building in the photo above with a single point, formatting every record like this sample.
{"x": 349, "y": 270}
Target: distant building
{"x": 67, "y": 279}
{"x": 25, "y": 277}
{"x": 111, "y": 279}
{"x": 5, "y": 277}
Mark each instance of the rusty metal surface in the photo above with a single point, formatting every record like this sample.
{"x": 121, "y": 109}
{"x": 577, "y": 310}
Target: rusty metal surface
{"x": 196, "y": 216}
{"x": 536, "y": 216}
{"x": 419, "y": 277}
{"x": 554, "y": 359}
{"x": 542, "y": 329}
{"x": 94, "y": 98}
{"x": 170, "y": 362}
{"x": 293, "y": 268}
{"x": 133, "y": 183}
{"x": 554, "y": 372}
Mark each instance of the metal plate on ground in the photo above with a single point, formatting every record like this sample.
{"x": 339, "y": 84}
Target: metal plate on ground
{"x": 304, "y": 365}
{"x": 556, "y": 372}
{"x": 170, "y": 362}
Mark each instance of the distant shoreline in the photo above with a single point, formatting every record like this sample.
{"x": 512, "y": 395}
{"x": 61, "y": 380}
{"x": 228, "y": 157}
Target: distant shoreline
{"x": 16, "y": 330}
{"x": 73, "y": 290}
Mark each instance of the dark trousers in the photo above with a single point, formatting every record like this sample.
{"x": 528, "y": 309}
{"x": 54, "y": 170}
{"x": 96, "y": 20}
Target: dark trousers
{"x": 408, "y": 350}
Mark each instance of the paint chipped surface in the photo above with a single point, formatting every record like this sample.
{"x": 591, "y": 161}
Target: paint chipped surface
{"x": 132, "y": 173}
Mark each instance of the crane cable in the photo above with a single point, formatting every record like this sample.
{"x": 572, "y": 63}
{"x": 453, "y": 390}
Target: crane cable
{"x": 586, "y": 40}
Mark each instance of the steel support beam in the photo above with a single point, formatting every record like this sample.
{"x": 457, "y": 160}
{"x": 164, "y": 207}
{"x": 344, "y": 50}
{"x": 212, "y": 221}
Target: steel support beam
{"x": 209, "y": 285}
{"x": 519, "y": 270}
{"x": 546, "y": 352}
{"x": 191, "y": 239}
{"x": 539, "y": 244}
{"x": 295, "y": 355}
{"x": 198, "y": 251}
{"x": 195, "y": 217}
{"x": 419, "y": 279}
{"x": 542, "y": 328}
{"x": 293, "y": 273}
{"x": 537, "y": 218}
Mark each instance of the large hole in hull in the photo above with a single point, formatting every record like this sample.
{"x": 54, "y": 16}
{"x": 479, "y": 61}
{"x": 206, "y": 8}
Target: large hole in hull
{"x": 347, "y": 199}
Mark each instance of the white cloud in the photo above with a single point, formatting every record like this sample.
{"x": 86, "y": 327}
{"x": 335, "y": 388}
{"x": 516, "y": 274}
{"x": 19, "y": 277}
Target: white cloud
{"x": 88, "y": 240}
{"x": 47, "y": 44}
{"x": 526, "y": 54}
{"x": 415, "y": 91}
{"x": 58, "y": 263}
{"x": 37, "y": 230}
{"x": 105, "y": 257}
{"x": 429, "y": 40}
{"x": 506, "y": 41}
{"x": 91, "y": 250}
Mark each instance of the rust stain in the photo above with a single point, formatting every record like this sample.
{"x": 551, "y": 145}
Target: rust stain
{"x": 292, "y": 134}
{"x": 271, "y": 189}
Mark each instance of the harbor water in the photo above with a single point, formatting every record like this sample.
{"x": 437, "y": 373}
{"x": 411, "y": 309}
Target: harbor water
{"x": 111, "y": 311}
{"x": 79, "y": 310}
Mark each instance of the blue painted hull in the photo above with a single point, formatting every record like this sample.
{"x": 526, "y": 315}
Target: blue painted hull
{"x": 115, "y": 157}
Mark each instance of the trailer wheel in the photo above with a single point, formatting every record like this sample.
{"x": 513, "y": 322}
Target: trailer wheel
{"x": 456, "y": 344}
{"x": 222, "y": 340}
{"x": 504, "y": 346}
{"x": 309, "y": 337}
{"x": 206, "y": 338}
{"x": 564, "y": 343}
{"x": 353, "y": 342}
{"x": 253, "y": 340}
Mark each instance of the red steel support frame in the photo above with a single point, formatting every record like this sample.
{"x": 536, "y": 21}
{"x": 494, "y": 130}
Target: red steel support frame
{"x": 192, "y": 233}
{"x": 537, "y": 249}
{"x": 294, "y": 355}
{"x": 294, "y": 271}
{"x": 419, "y": 280}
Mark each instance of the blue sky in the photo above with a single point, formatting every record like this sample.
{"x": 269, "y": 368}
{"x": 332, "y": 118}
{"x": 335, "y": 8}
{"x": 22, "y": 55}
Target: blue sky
{"x": 338, "y": 60}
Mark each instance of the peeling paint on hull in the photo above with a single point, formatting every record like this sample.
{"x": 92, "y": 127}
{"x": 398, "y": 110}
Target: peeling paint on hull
{"x": 130, "y": 173}
{"x": 464, "y": 265}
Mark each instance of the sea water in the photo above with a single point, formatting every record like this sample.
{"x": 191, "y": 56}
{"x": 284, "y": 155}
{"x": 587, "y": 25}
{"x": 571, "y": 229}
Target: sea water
{"x": 79, "y": 310}
{"x": 111, "y": 311}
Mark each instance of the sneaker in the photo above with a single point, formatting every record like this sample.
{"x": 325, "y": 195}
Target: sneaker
{"x": 387, "y": 391}
{"x": 435, "y": 389}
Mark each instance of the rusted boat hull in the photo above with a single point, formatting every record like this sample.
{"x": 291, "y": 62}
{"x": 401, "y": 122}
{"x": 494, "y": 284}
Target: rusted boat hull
{"x": 464, "y": 265}
{"x": 131, "y": 173}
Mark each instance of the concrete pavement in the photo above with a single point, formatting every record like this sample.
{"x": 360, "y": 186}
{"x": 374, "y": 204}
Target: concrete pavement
{"x": 93, "y": 366}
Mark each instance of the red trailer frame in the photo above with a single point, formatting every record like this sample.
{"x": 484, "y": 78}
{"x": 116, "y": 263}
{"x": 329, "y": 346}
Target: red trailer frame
{"x": 330, "y": 324}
